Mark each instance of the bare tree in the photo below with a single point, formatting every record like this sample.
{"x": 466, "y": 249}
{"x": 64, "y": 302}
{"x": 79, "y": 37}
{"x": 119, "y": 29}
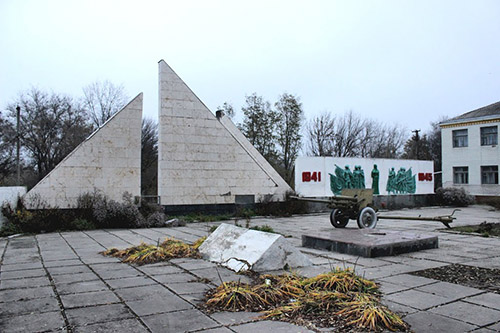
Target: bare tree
{"x": 320, "y": 135}
{"x": 351, "y": 136}
{"x": 348, "y": 131}
{"x": 102, "y": 100}
{"x": 289, "y": 123}
{"x": 149, "y": 157}
{"x": 51, "y": 126}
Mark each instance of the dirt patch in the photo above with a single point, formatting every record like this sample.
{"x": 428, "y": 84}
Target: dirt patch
{"x": 486, "y": 229}
{"x": 469, "y": 276}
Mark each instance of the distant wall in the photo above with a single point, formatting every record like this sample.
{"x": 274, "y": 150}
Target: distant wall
{"x": 313, "y": 175}
{"x": 9, "y": 195}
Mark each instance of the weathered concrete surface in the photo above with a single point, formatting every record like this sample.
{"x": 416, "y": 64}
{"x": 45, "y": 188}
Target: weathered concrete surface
{"x": 44, "y": 268}
{"x": 370, "y": 243}
{"x": 241, "y": 249}
{"x": 109, "y": 160}
{"x": 203, "y": 159}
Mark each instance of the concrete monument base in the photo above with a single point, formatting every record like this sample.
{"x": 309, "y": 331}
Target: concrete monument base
{"x": 369, "y": 243}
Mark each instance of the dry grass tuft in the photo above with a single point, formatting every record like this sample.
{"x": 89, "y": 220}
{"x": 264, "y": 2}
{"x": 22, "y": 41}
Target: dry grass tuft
{"x": 148, "y": 254}
{"x": 339, "y": 298}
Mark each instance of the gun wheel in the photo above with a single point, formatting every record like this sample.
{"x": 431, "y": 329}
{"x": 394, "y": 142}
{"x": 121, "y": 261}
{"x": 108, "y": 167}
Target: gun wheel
{"x": 338, "y": 219}
{"x": 367, "y": 218}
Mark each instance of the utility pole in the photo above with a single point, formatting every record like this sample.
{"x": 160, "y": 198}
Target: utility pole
{"x": 417, "y": 138}
{"x": 18, "y": 137}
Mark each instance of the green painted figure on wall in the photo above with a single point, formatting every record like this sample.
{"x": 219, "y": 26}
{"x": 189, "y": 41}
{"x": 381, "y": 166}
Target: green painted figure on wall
{"x": 375, "y": 178}
{"x": 345, "y": 178}
{"x": 358, "y": 177}
{"x": 401, "y": 182}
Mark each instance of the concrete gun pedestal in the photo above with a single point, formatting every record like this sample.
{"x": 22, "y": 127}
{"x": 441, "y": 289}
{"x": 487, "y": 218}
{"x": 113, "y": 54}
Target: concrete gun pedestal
{"x": 370, "y": 243}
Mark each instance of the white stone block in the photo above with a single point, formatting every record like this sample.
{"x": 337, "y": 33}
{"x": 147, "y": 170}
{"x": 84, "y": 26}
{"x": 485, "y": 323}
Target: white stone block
{"x": 242, "y": 249}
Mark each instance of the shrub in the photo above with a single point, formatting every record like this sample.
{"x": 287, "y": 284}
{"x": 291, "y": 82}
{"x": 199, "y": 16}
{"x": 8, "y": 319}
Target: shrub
{"x": 453, "y": 196}
{"x": 156, "y": 219}
{"x": 81, "y": 224}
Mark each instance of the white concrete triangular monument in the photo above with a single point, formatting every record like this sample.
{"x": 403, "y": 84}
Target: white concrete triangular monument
{"x": 204, "y": 159}
{"x": 109, "y": 161}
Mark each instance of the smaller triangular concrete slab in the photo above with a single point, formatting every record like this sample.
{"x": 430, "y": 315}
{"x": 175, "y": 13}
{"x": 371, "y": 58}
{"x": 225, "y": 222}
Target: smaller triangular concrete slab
{"x": 108, "y": 161}
{"x": 242, "y": 249}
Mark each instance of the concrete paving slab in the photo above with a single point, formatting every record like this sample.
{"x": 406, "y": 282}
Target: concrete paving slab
{"x": 9, "y": 295}
{"x": 40, "y": 305}
{"x": 25, "y": 283}
{"x": 369, "y": 243}
{"x": 449, "y": 290}
{"x": 98, "y": 314}
{"x": 495, "y": 327}
{"x": 80, "y": 287}
{"x": 400, "y": 309}
{"x": 70, "y": 262}
{"x": 158, "y": 304}
{"x": 160, "y": 269}
{"x": 409, "y": 280}
{"x": 58, "y": 270}
{"x": 119, "y": 326}
{"x": 218, "y": 330}
{"x": 127, "y": 282}
{"x": 26, "y": 273}
{"x": 70, "y": 278}
{"x": 119, "y": 273}
{"x": 179, "y": 321}
{"x": 235, "y": 318}
{"x": 194, "y": 298}
{"x": 19, "y": 266}
{"x": 417, "y": 299}
{"x": 270, "y": 326}
{"x": 489, "y": 300}
{"x": 138, "y": 293}
{"x": 189, "y": 288}
{"x": 35, "y": 322}
{"x": 425, "y": 322}
{"x": 89, "y": 299}
{"x": 174, "y": 278}
{"x": 470, "y": 313}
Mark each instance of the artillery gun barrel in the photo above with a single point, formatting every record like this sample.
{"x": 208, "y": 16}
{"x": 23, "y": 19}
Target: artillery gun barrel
{"x": 335, "y": 199}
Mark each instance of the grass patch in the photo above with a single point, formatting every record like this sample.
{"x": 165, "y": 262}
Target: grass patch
{"x": 149, "y": 254}
{"x": 338, "y": 299}
{"x": 199, "y": 217}
{"x": 264, "y": 228}
{"x": 486, "y": 229}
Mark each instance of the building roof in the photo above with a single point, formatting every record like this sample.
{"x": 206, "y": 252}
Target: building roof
{"x": 486, "y": 112}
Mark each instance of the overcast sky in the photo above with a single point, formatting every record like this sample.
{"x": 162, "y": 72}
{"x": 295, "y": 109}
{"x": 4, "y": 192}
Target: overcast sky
{"x": 407, "y": 62}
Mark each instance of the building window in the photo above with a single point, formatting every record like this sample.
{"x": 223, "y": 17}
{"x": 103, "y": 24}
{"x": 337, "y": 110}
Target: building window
{"x": 489, "y": 174}
{"x": 460, "y": 175}
{"x": 460, "y": 138}
{"x": 489, "y": 136}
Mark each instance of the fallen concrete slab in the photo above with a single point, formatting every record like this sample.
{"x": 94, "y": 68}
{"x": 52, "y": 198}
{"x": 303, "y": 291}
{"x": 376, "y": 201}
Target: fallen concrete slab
{"x": 242, "y": 249}
{"x": 370, "y": 243}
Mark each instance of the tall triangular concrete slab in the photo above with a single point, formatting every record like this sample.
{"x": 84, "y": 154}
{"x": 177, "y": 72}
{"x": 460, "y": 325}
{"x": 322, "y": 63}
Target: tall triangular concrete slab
{"x": 203, "y": 159}
{"x": 108, "y": 161}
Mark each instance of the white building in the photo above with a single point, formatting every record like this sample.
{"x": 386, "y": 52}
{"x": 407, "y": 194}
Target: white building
{"x": 471, "y": 156}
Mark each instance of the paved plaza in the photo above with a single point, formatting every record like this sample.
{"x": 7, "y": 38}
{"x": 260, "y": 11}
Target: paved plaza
{"x": 59, "y": 282}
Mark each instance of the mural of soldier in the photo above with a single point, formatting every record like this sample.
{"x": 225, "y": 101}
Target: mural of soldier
{"x": 401, "y": 183}
{"x": 358, "y": 176}
{"x": 344, "y": 178}
{"x": 391, "y": 182}
{"x": 375, "y": 178}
